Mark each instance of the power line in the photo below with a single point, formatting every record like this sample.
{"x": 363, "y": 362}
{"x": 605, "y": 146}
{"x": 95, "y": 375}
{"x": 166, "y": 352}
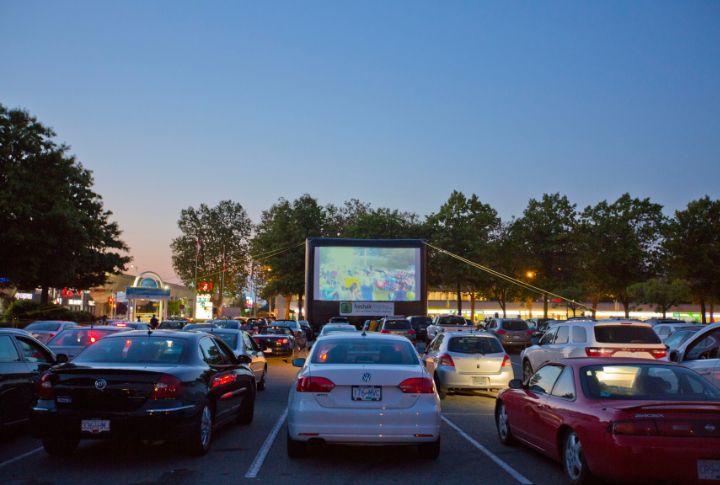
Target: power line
{"x": 505, "y": 277}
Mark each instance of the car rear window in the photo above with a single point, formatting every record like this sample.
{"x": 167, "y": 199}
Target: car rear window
{"x": 626, "y": 334}
{"x": 451, "y": 320}
{"x": 145, "y": 350}
{"x": 234, "y": 324}
{"x": 421, "y": 322}
{"x": 328, "y": 329}
{"x": 646, "y": 382}
{"x": 514, "y": 325}
{"x": 229, "y": 338}
{"x": 43, "y": 326}
{"x": 474, "y": 345}
{"x": 280, "y": 330}
{"x": 78, "y": 337}
{"x": 364, "y": 351}
{"x": 172, "y": 325}
{"x": 397, "y": 325}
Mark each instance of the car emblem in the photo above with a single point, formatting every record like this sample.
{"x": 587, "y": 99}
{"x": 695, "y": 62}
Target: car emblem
{"x": 100, "y": 384}
{"x": 366, "y": 377}
{"x": 709, "y": 428}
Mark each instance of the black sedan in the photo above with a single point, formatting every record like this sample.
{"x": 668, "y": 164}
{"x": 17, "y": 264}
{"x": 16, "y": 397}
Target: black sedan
{"x": 22, "y": 360}
{"x": 276, "y": 340}
{"x": 162, "y": 385}
{"x": 72, "y": 341}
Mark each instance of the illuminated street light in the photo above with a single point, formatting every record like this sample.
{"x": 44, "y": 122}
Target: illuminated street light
{"x": 530, "y": 275}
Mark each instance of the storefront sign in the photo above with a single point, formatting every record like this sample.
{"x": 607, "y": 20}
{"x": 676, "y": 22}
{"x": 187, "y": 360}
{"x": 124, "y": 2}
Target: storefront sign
{"x": 368, "y": 309}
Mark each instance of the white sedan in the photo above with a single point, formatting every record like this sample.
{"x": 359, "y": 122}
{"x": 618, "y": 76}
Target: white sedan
{"x": 363, "y": 389}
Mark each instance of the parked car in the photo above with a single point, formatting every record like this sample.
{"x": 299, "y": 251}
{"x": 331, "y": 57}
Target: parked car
{"x": 512, "y": 332}
{"x": 446, "y": 323}
{"x": 352, "y": 384}
{"x": 630, "y": 419}
{"x": 339, "y": 320}
{"x": 198, "y": 326}
{"x": 467, "y": 361}
{"x": 337, "y": 327}
{"x": 172, "y": 325}
{"x": 297, "y": 331}
{"x": 234, "y": 324}
{"x": 537, "y": 324}
{"x": 241, "y": 344}
{"x": 73, "y": 340}
{"x": 130, "y": 325}
{"x": 22, "y": 360}
{"x": 664, "y": 330}
{"x": 44, "y": 330}
{"x": 307, "y": 328}
{"x": 276, "y": 340}
{"x": 701, "y": 353}
{"x": 255, "y": 326}
{"x": 397, "y": 326}
{"x": 593, "y": 339}
{"x": 656, "y": 321}
{"x": 176, "y": 386}
{"x": 680, "y": 336}
{"x": 420, "y": 323}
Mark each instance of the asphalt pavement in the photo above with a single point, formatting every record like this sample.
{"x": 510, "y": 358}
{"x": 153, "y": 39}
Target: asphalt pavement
{"x": 256, "y": 452}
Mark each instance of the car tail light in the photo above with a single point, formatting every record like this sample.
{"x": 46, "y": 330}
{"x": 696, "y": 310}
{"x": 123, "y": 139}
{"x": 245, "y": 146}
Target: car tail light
{"x": 411, "y": 332}
{"x": 222, "y": 380}
{"x": 446, "y": 359}
{"x": 283, "y": 341}
{"x": 659, "y": 353}
{"x": 506, "y": 361}
{"x": 501, "y": 332}
{"x": 643, "y": 428}
{"x": 45, "y": 389}
{"x": 168, "y": 387}
{"x": 384, "y": 331}
{"x": 314, "y": 384}
{"x": 530, "y": 333}
{"x": 599, "y": 352}
{"x": 417, "y": 385}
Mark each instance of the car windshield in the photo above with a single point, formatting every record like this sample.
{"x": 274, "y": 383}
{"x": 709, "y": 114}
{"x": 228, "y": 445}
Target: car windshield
{"x": 278, "y": 330}
{"x": 234, "y": 324}
{"x": 78, "y": 337}
{"x": 328, "y": 329}
{"x": 140, "y": 349}
{"x": 43, "y": 326}
{"x": 514, "y": 325}
{"x": 451, "y": 320}
{"x": 397, "y": 325}
{"x": 646, "y": 382}
{"x": 474, "y": 345}
{"x": 626, "y": 334}
{"x": 678, "y": 338}
{"x": 364, "y": 351}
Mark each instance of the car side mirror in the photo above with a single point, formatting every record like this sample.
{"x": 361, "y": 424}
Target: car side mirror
{"x": 244, "y": 359}
{"x": 515, "y": 384}
{"x": 61, "y": 358}
{"x": 298, "y": 362}
{"x": 674, "y": 356}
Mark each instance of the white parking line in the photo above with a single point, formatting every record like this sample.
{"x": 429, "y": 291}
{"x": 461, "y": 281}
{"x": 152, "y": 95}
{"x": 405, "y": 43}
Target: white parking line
{"x": 514, "y": 473}
{"x": 265, "y": 448}
{"x": 20, "y": 457}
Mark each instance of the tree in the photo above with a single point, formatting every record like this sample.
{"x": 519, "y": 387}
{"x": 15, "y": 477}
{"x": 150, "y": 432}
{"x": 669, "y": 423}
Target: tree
{"x": 665, "y": 294}
{"x": 692, "y": 249}
{"x": 624, "y": 240}
{"x": 504, "y": 248}
{"x": 213, "y": 247}
{"x": 464, "y": 226}
{"x": 54, "y": 229}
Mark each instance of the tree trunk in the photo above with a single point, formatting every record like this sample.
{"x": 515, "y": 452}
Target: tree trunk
{"x": 712, "y": 311}
{"x": 44, "y": 297}
{"x": 595, "y": 301}
{"x": 626, "y": 305}
{"x": 459, "y": 300}
{"x": 288, "y": 300}
{"x": 300, "y": 306}
{"x": 503, "y": 303}
{"x": 664, "y": 311}
{"x": 472, "y": 306}
{"x": 545, "y": 305}
{"x": 702, "y": 310}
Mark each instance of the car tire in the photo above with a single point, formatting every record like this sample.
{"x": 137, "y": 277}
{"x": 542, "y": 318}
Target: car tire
{"x": 429, "y": 451}
{"x": 60, "y": 445}
{"x": 261, "y": 384}
{"x": 296, "y": 449}
{"x": 502, "y": 424}
{"x": 527, "y": 370}
{"x": 198, "y": 443}
{"x": 442, "y": 393}
{"x": 573, "y": 460}
{"x": 247, "y": 408}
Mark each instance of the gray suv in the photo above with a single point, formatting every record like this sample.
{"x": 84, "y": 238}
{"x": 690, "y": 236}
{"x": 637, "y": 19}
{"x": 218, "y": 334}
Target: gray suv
{"x": 512, "y": 332}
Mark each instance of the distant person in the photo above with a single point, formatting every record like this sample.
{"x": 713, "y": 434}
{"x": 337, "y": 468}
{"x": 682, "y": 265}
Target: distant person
{"x": 154, "y": 321}
{"x": 139, "y": 319}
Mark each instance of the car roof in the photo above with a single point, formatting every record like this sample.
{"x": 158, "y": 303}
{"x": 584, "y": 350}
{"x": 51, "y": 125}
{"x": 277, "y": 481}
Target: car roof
{"x": 483, "y": 334}
{"x": 222, "y": 330}
{"x": 17, "y": 331}
{"x": 94, "y": 327}
{"x": 157, "y": 333}
{"x": 363, "y": 335}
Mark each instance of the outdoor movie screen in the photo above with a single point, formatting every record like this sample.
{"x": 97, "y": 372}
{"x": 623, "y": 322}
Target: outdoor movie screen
{"x": 366, "y": 274}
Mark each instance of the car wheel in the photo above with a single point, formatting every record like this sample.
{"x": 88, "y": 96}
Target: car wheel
{"x": 198, "y": 443}
{"x": 503, "y": 425}
{"x": 296, "y": 449}
{"x": 429, "y": 451}
{"x": 441, "y": 392}
{"x": 247, "y": 408}
{"x": 60, "y": 445}
{"x": 261, "y": 384}
{"x": 576, "y": 468}
{"x": 527, "y": 371}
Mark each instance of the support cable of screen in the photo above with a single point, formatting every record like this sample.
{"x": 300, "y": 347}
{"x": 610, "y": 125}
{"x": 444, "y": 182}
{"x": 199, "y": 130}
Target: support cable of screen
{"x": 257, "y": 258}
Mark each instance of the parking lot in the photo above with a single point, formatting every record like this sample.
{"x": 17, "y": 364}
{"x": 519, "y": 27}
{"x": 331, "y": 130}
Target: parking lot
{"x": 470, "y": 451}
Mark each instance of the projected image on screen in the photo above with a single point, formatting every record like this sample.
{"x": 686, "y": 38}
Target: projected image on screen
{"x": 366, "y": 274}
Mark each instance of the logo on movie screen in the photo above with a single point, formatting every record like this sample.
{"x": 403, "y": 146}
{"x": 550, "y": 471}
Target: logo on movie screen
{"x": 100, "y": 384}
{"x": 366, "y": 377}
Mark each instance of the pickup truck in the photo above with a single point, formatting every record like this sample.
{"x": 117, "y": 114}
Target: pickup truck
{"x": 447, "y": 323}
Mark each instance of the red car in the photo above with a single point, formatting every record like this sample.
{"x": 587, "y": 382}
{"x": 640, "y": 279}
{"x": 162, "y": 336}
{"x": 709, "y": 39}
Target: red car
{"x": 621, "y": 418}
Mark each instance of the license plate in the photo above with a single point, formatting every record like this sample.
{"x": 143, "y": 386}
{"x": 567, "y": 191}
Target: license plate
{"x": 95, "y": 425}
{"x": 708, "y": 469}
{"x": 268, "y": 350}
{"x": 366, "y": 393}
{"x": 480, "y": 381}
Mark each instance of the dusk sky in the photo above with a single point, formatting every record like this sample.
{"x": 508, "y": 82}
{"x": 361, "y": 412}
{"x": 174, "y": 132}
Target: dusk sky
{"x": 172, "y": 104}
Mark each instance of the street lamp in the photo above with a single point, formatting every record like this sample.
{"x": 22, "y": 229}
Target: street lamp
{"x": 530, "y": 274}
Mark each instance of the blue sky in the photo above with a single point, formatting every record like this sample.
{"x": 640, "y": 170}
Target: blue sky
{"x": 396, "y": 103}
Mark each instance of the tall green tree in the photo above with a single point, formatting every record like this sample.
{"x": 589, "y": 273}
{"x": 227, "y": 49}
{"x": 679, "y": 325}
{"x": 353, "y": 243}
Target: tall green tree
{"x": 502, "y": 257}
{"x": 692, "y": 247}
{"x": 214, "y": 247}
{"x": 624, "y": 241}
{"x": 664, "y": 294}
{"x": 54, "y": 230}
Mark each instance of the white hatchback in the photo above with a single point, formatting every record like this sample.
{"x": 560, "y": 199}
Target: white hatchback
{"x": 363, "y": 389}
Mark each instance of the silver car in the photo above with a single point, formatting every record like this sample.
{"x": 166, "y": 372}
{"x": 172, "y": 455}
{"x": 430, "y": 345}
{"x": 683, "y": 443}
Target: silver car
{"x": 701, "y": 353}
{"x": 512, "y": 332}
{"x": 467, "y": 360}
{"x": 337, "y": 327}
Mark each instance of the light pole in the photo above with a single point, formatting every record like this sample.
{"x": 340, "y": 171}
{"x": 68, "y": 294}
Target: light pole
{"x": 530, "y": 275}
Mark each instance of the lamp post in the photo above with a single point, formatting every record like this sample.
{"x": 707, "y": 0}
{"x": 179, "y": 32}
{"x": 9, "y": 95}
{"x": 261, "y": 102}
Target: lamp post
{"x": 530, "y": 275}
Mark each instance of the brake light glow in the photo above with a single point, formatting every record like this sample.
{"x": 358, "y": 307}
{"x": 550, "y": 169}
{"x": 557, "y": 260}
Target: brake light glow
{"x": 501, "y": 332}
{"x": 93, "y": 339}
{"x": 222, "y": 380}
{"x": 417, "y": 385}
{"x": 283, "y": 341}
{"x": 411, "y": 332}
{"x": 45, "y": 390}
{"x": 599, "y": 352}
{"x": 121, "y": 325}
{"x": 384, "y": 331}
{"x": 506, "y": 361}
{"x": 530, "y": 332}
{"x": 446, "y": 359}
{"x": 658, "y": 353}
{"x": 314, "y": 384}
{"x": 168, "y": 387}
